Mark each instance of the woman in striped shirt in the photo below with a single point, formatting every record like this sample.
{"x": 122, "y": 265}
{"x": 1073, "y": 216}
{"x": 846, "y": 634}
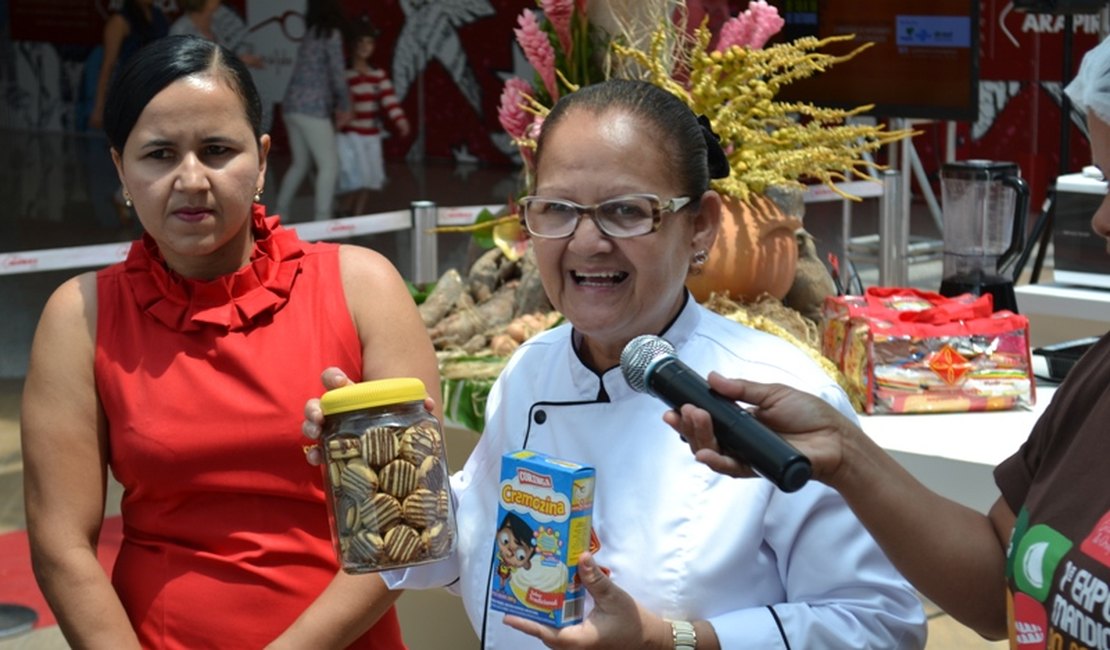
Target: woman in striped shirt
{"x": 361, "y": 163}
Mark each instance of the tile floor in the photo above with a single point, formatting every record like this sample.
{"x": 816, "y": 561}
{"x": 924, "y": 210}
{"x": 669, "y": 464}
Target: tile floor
{"x": 49, "y": 203}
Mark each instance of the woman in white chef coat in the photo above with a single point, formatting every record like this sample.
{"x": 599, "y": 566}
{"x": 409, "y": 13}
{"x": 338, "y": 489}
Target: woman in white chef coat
{"x": 683, "y": 557}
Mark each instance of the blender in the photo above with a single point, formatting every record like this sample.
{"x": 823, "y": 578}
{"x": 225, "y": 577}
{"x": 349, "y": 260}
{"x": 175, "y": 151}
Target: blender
{"x": 984, "y": 204}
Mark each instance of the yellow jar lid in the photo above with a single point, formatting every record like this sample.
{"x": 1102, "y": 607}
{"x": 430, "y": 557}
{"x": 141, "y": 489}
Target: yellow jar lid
{"x": 370, "y": 394}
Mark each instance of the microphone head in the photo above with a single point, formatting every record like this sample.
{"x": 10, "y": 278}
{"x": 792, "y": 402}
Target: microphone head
{"x": 638, "y": 355}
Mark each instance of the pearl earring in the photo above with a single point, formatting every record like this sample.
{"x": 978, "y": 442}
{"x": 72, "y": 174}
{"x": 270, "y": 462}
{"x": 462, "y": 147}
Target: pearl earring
{"x": 258, "y": 195}
{"x": 699, "y": 260}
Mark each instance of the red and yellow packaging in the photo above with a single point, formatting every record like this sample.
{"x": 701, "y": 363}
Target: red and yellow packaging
{"x": 909, "y": 351}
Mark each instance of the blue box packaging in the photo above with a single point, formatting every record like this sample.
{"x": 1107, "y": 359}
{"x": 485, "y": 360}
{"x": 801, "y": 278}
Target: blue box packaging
{"x": 544, "y": 513}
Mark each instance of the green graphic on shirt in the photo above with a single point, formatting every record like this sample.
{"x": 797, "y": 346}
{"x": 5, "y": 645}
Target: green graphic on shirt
{"x": 1038, "y": 554}
{"x": 1021, "y": 526}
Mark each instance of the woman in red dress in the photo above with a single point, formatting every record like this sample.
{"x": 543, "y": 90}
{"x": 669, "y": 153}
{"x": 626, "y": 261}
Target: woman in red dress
{"x": 183, "y": 371}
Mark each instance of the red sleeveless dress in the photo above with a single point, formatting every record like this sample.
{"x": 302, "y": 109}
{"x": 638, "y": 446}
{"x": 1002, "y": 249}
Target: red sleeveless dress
{"x": 226, "y": 537}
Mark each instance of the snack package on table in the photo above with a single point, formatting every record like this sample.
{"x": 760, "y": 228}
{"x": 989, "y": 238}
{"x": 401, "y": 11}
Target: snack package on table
{"x": 909, "y": 351}
{"x": 544, "y": 516}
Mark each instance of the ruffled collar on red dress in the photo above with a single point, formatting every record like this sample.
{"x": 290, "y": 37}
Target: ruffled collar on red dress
{"x": 232, "y": 302}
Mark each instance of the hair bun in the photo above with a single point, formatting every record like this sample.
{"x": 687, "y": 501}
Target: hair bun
{"x": 715, "y": 155}
{"x": 366, "y": 27}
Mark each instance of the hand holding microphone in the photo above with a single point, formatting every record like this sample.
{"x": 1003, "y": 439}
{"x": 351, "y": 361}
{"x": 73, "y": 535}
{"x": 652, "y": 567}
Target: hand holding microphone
{"x": 649, "y": 365}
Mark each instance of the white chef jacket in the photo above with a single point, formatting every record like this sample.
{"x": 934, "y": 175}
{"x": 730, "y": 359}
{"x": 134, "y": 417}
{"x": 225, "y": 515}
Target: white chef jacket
{"x": 768, "y": 569}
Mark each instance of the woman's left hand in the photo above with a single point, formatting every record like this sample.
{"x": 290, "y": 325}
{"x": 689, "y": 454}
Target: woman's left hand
{"x": 617, "y": 620}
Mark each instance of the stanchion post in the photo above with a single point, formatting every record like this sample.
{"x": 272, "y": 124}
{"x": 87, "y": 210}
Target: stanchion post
{"x": 893, "y": 233}
{"x": 424, "y": 252}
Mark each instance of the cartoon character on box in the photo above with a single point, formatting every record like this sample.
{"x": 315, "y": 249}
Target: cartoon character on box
{"x": 515, "y": 548}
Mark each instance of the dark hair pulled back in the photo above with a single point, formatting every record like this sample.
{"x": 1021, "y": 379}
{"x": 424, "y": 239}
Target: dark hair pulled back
{"x": 157, "y": 65}
{"x": 321, "y": 17}
{"x": 696, "y": 153}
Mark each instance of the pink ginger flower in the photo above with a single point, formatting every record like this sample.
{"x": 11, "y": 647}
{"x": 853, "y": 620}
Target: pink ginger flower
{"x": 514, "y": 119}
{"x": 559, "y": 13}
{"x": 538, "y": 50}
{"x": 751, "y": 29}
{"x": 535, "y": 127}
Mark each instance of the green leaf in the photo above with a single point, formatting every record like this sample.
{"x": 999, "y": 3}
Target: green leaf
{"x": 420, "y": 294}
{"x": 464, "y": 398}
{"x": 466, "y": 401}
{"x": 484, "y": 236}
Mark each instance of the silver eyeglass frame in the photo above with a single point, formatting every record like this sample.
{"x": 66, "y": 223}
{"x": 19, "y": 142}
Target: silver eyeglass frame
{"x": 658, "y": 208}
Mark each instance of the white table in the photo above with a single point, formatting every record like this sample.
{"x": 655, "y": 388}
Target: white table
{"x": 1057, "y": 299}
{"x": 955, "y": 453}
{"x": 952, "y": 453}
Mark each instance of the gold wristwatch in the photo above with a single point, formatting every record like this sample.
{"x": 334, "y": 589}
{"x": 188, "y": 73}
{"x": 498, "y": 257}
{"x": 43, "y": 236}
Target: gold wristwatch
{"x": 684, "y": 636}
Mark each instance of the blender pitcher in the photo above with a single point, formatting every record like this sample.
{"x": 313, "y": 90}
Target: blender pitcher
{"x": 984, "y": 206}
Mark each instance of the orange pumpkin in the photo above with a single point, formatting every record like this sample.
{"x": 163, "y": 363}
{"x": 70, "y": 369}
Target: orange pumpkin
{"x": 755, "y": 252}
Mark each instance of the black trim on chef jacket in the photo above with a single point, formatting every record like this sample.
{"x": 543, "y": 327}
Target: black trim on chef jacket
{"x": 778, "y": 622}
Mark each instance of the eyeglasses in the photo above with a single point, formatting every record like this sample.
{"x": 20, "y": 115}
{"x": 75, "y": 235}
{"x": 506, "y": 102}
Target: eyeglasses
{"x": 630, "y": 215}
{"x": 291, "y": 22}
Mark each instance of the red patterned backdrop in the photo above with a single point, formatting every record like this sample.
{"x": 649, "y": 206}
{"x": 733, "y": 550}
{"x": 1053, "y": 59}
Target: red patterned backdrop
{"x": 469, "y": 50}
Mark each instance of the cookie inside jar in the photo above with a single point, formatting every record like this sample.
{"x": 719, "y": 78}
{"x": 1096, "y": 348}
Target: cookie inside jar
{"x": 386, "y": 477}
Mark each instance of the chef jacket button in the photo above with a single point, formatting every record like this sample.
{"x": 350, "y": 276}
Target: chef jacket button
{"x": 539, "y": 417}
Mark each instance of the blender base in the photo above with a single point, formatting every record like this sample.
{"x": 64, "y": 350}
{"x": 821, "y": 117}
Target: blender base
{"x": 1002, "y": 291}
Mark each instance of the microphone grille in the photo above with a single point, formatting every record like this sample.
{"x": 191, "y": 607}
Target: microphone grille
{"x": 638, "y": 354}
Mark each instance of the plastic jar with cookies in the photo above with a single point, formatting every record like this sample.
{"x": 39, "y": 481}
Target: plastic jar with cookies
{"x": 385, "y": 473}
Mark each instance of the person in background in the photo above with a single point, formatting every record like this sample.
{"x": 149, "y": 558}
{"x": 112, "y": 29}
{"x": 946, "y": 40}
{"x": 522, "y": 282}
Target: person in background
{"x": 316, "y": 103}
{"x": 211, "y": 19}
{"x": 139, "y": 22}
{"x": 361, "y": 162}
{"x": 182, "y": 371}
{"x": 622, "y": 212}
{"x": 1036, "y": 567}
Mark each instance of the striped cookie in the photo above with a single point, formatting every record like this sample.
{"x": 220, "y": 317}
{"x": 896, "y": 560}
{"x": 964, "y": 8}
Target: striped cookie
{"x": 437, "y": 540}
{"x": 358, "y": 480}
{"x": 344, "y": 448}
{"x": 420, "y": 441}
{"x": 380, "y": 513}
{"x": 402, "y": 544}
{"x": 366, "y": 547}
{"x": 335, "y": 472}
{"x": 381, "y": 445}
{"x": 419, "y": 508}
{"x": 443, "y": 503}
{"x": 346, "y": 515}
{"x": 431, "y": 474}
{"x": 398, "y": 478}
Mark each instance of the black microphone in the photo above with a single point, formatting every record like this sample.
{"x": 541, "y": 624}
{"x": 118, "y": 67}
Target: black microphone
{"x": 649, "y": 366}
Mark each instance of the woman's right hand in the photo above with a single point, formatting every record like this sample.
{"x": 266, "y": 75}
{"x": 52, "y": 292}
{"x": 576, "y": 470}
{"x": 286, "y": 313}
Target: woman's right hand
{"x": 808, "y": 422}
{"x": 313, "y": 423}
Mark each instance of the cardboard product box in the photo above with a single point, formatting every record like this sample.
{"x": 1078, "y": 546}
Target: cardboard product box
{"x": 910, "y": 351}
{"x": 544, "y": 516}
